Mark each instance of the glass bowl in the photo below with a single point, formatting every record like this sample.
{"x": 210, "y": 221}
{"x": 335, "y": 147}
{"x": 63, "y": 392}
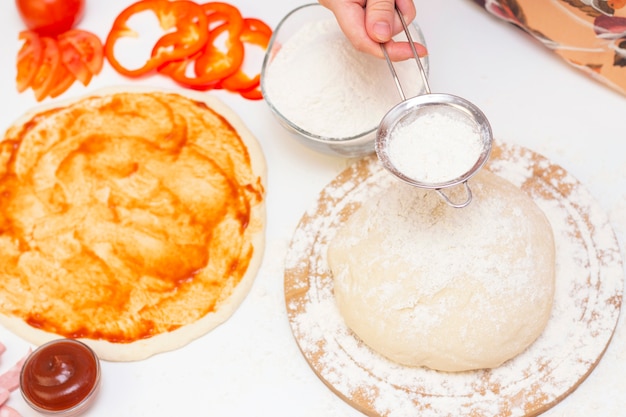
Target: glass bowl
{"x": 60, "y": 378}
{"x": 329, "y": 96}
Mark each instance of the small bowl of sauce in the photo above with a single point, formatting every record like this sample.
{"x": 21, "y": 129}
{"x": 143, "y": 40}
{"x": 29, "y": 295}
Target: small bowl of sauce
{"x": 60, "y": 378}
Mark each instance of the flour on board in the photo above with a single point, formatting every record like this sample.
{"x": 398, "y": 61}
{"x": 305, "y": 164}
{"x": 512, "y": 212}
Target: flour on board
{"x": 589, "y": 279}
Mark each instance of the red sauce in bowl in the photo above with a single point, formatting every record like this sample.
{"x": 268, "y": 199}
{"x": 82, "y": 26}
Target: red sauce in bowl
{"x": 60, "y": 378}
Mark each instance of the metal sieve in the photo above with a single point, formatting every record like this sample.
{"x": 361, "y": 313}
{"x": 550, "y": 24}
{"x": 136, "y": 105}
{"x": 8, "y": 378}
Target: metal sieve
{"x": 410, "y": 109}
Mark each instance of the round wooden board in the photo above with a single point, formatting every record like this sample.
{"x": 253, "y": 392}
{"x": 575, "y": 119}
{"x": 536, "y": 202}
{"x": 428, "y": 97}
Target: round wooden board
{"x": 589, "y": 282}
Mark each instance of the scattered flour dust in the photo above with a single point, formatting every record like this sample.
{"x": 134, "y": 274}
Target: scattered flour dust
{"x": 435, "y": 144}
{"x": 322, "y": 84}
{"x": 589, "y": 282}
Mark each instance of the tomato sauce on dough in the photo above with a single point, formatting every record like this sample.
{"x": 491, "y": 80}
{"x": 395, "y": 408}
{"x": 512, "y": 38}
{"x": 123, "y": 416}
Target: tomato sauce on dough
{"x": 124, "y": 216}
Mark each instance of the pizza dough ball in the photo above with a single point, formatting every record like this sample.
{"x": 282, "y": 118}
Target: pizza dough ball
{"x": 425, "y": 284}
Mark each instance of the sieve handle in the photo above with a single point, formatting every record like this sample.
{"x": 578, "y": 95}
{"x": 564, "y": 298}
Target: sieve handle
{"x": 415, "y": 56}
{"x": 468, "y": 199}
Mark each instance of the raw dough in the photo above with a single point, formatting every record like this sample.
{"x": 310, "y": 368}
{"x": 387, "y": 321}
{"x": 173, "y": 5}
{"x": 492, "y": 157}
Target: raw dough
{"x": 424, "y": 284}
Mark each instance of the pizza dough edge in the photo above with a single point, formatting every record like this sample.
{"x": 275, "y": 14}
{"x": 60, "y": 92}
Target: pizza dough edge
{"x": 165, "y": 342}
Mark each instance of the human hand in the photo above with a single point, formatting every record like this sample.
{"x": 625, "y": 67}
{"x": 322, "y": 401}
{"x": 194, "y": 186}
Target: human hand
{"x": 368, "y": 23}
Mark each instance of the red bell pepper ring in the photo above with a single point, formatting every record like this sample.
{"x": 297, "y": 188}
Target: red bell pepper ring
{"x": 217, "y": 63}
{"x": 257, "y": 33}
{"x": 190, "y": 34}
{"x": 257, "y": 25}
{"x": 212, "y": 63}
{"x": 229, "y": 19}
{"x": 252, "y": 94}
{"x": 216, "y": 11}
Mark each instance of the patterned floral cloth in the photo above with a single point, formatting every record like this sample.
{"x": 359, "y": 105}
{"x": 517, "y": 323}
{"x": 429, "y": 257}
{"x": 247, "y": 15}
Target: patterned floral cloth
{"x": 588, "y": 34}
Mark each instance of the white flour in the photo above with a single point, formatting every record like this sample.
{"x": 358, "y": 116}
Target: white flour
{"x": 587, "y": 303}
{"x": 322, "y": 84}
{"x": 436, "y": 145}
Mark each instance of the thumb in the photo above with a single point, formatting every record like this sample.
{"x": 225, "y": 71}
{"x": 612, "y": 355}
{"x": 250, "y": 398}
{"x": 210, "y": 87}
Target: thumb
{"x": 379, "y": 17}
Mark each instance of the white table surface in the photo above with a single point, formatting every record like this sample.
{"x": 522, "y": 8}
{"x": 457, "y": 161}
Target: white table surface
{"x": 251, "y": 366}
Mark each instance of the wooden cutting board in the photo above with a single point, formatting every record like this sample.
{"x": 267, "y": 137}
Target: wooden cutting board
{"x": 589, "y": 282}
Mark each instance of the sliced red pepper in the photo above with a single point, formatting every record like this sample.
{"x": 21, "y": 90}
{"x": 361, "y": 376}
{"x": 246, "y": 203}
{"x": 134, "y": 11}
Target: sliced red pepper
{"x": 28, "y": 59}
{"x": 252, "y": 94}
{"x": 190, "y": 33}
{"x": 257, "y": 25}
{"x": 217, "y": 11}
{"x": 213, "y": 59}
{"x": 179, "y": 70}
{"x": 257, "y": 33}
{"x": 213, "y": 63}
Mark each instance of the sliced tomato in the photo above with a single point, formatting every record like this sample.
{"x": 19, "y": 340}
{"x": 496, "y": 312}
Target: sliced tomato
{"x": 44, "y": 78}
{"x": 71, "y": 59}
{"x": 63, "y": 79}
{"x": 88, "y": 46}
{"x": 28, "y": 59}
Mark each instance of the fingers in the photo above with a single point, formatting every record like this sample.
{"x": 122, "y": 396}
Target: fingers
{"x": 379, "y": 19}
{"x": 382, "y": 23}
{"x": 367, "y": 25}
{"x": 407, "y": 8}
{"x": 350, "y": 16}
{"x": 399, "y": 51}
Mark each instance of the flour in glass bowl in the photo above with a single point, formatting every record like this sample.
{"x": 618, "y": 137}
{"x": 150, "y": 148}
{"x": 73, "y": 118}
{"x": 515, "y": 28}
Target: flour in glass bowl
{"x": 320, "y": 83}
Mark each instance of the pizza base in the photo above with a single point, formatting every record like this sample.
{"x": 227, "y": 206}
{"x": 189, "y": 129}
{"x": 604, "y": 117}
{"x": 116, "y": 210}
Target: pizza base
{"x": 144, "y": 348}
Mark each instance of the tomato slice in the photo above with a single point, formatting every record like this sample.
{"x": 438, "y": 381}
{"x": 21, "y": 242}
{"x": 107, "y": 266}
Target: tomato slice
{"x": 29, "y": 59}
{"x": 88, "y": 45}
{"x": 63, "y": 79}
{"x": 184, "y": 24}
{"x": 71, "y": 59}
{"x": 44, "y": 78}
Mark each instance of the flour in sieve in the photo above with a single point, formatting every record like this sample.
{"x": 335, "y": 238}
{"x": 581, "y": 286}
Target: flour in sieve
{"x": 435, "y": 145}
{"x": 322, "y": 84}
{"x": 587, "y": 305}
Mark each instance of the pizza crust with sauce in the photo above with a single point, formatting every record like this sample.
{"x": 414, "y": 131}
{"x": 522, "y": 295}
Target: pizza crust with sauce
{"x": 134, "y": 220}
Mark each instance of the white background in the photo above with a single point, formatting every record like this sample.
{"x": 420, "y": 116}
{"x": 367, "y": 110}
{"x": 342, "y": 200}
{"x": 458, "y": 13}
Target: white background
{"x": 251, "y": 366}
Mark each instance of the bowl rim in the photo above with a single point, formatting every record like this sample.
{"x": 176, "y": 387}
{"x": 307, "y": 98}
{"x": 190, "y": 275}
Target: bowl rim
{"x": 365, "y": 135}
{"x": 266, "y": 61}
